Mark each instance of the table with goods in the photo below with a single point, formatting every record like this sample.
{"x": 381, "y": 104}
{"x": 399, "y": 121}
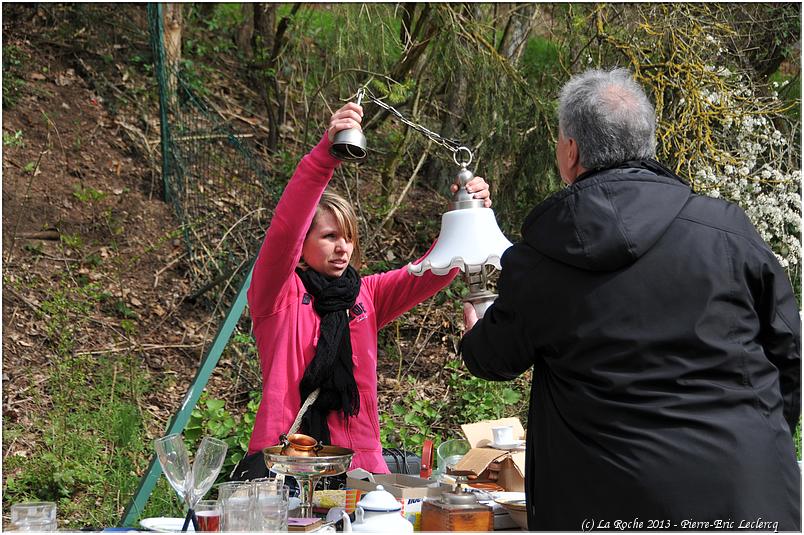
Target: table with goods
{"x": 460, "y": 494}
{"x": 470, "y": 489}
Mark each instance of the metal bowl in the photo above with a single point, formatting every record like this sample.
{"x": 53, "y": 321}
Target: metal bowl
{"x": 516, "y": 505}
{"x": 329, "y": 461}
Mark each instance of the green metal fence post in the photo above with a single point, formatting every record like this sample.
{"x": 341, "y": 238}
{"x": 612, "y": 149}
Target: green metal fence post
{"x": 180, "y": 419}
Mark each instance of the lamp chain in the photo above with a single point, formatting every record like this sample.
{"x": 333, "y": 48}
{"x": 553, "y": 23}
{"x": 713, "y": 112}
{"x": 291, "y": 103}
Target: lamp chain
{"x": 452, "y": 145}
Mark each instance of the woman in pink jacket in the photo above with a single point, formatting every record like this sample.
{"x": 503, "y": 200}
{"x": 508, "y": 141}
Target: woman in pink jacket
{"x": 315, "y": 319}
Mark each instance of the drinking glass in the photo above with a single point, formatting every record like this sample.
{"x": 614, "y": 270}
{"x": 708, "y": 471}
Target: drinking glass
{"x": 237, "y": 513}
{"x": 33, "y": 516}
{"x": 209, "y": 515}
{"x": 206, "y": 467}
{"x": 235, "y": 499}
{"x": 450, "y": 452}
{"x": 175, "y": 462}
{"x": 264, "y": 483}
{"x": 191, "y": 483}
{"x": 271, "y": 508}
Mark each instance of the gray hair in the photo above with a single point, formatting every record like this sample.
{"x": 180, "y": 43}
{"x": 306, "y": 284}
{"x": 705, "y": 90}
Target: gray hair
{"x": 609, "y": 116}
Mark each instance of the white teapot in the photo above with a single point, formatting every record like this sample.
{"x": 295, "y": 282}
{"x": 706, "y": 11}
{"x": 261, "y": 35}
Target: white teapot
{"x": 378, "y": 512}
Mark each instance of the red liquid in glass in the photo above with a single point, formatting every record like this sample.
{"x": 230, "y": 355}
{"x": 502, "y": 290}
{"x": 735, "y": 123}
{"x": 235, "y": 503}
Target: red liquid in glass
{"x": 209, "y": 520}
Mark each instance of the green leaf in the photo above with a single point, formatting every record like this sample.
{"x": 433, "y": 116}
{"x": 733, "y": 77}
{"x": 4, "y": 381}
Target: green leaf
{"x": 215, "y": 404}
{"x": 510, "y": 396}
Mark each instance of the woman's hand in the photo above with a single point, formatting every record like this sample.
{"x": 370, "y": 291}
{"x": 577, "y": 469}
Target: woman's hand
{"x": 346, "y": 117}
{"x": 479, "y": 187}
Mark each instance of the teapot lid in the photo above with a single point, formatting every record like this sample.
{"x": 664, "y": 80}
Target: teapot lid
{"x": 379, "y": 500}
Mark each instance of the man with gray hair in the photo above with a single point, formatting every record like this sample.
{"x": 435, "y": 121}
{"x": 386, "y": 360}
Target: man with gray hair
{"x": 663, "y": 334}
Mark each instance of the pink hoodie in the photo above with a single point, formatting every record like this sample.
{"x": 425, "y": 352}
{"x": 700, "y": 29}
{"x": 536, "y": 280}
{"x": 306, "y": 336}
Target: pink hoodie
{"x": 286, "y": 327}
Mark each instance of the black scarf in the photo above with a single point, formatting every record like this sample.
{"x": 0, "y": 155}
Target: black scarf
{"x": 331, "y": 368}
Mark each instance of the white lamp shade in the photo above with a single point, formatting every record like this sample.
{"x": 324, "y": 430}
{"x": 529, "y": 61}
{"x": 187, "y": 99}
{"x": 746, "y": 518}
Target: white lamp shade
{"x": 469, "y": 239}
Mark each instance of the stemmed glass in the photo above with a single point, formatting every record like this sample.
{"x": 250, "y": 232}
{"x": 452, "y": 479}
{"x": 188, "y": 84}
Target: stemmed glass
{"x": 206, "y": 467}
{"x": 174, "y": 461}
{"x": 191, "y": 484}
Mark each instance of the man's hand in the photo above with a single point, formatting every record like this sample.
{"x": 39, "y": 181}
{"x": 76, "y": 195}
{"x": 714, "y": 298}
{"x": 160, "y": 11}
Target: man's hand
{"x": 477, "y": 186}
{"x": 469, "y": 317}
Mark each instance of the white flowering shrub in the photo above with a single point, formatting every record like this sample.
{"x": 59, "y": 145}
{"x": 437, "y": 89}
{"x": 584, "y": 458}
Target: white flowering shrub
{"x": 718, "y": 123}
{"x": 755, "y": 165}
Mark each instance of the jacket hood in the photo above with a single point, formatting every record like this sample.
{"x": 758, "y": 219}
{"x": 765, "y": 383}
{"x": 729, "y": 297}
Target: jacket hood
{"x": 609, "y": 218}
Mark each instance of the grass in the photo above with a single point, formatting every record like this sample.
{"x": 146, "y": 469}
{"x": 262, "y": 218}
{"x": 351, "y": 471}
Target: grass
{"x": 13, "y": 85}
{"x": 87, "y": 440}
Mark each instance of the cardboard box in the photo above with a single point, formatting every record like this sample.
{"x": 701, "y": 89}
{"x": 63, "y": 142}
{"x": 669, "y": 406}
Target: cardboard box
{"x": 410, "y": 491}
{"x": 401, "y": 486}
{"x": 506, "y": 468}
{"x": 479, "y": 434}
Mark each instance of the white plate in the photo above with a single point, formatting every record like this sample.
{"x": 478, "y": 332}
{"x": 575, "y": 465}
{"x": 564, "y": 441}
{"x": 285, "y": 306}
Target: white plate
{"x": 515, "y": 445}
{"x": 508, "y": 496}
{"x": 513, "y": 500}
{"x": 165, "y": 524}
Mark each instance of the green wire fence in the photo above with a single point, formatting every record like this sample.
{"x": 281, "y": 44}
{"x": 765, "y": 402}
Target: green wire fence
{"x": 221, "y": 194}
{"x": 223, "y": 198}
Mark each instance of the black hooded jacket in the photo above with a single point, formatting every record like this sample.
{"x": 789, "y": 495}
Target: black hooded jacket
{"x": 665, "y": 343}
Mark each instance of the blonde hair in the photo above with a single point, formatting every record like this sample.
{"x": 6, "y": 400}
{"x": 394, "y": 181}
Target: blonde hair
{"x": 347, "y": 223}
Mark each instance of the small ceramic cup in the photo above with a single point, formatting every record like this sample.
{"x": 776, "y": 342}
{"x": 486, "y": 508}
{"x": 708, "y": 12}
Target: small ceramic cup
{"x": 503, "y": 434}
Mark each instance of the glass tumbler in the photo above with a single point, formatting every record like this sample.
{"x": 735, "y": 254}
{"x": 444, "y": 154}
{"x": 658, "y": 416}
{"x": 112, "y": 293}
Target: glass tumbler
{"x": 235, "y": 500}
{"x": 271, "y": 508}
{"x": 450, "y": 452}
{"x": 33, "y": 516}
{"x": 209, "y": 515}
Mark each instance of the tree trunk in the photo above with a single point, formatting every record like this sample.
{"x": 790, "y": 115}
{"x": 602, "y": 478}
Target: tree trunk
{"x": 268, "y": 40}
{"x": 263, "y": 42}
{"x": 206, "y": 9}
{"x": 437, "y": 175}
{"x": 388, "y": 181}
{"x": 245, "y": 33}
{"x": 172, "y": 23}
{"x": 416, "y": 36}
{"x": 521, "y": 19}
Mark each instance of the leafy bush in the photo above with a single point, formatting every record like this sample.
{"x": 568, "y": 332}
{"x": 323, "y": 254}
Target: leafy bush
{"x": 13, "y": 140}
{"x": 718, "y": 123}
{"x": 411, "y": 421}
{"x": 419, "y": 416}
{"x": 477, "y": 399}
{"x": 210, "y": 418}
{"x": 541, "y": 56}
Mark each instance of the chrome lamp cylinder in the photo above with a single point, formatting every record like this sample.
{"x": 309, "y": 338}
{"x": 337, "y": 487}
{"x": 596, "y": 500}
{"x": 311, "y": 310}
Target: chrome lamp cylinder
{"x": 350, "y": 145}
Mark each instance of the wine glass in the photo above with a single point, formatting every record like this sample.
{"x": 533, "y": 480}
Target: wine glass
{"x": 206, "y": 467}
{"x": 175, "y": 462}
{"x": 191, "y": 484}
